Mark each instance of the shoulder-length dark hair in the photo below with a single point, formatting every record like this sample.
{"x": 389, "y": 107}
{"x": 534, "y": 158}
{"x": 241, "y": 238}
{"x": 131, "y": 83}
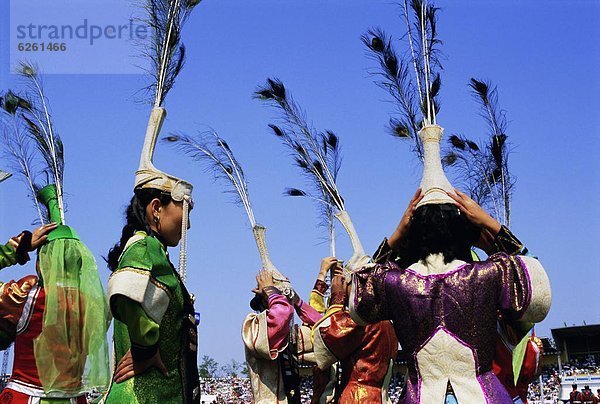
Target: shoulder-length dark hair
{"x": 441, "y": 228}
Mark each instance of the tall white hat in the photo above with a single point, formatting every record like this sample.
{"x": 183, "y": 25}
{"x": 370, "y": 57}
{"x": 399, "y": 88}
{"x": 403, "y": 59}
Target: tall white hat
{"x": 434, "y": 184}
{"x": 148, "y": 176}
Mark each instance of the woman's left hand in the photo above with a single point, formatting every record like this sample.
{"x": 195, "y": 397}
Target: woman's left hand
{"x": 475, "y": 213}
{"x": 128, "y": 367}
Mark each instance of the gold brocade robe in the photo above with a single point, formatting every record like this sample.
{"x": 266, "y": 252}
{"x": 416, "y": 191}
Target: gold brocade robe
{"x": 366, "y": 355}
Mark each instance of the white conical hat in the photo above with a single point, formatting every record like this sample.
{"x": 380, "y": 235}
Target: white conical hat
{"x": 434, "y": 185}
{"x": 148, "y": 176}
{"x": 4, "y": 175}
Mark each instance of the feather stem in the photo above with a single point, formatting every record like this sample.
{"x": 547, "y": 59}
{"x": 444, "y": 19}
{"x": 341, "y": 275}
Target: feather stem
{"x": 17, "y": 150}
{"x": 164, "y": 60}
{"x": 51, "y": 140}
{"x": 428, "y": 119}
{"x": 412, "y": 52}
{"x": 332, "y": 237}
{"x": 242, "y": 188}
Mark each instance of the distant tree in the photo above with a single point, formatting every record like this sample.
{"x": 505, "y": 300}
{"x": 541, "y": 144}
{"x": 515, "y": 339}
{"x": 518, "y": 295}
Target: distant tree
{"x": 234, "y": 369}
{"x": 244, "y": 372}
{"x": 208, "y": 367}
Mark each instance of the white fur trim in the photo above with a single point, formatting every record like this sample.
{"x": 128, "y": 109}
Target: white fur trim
{"x": 139, "y": 287}
{"x": 541, "y": 294}
{"x": 434, "y": 264}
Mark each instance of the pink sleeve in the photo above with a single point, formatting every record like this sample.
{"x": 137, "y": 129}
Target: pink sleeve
{"x": 279, "y": 315}
{"x": 307, "y": 313}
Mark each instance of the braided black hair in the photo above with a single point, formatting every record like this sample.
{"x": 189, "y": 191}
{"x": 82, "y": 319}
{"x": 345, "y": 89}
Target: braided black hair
{"x": 135, "y": 217}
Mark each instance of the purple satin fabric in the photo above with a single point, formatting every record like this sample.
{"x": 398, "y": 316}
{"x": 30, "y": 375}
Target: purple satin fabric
{"x": 464, "y": 301}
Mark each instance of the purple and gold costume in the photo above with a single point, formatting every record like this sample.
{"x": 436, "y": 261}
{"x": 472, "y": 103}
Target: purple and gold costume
{"x": 445, "y": 316}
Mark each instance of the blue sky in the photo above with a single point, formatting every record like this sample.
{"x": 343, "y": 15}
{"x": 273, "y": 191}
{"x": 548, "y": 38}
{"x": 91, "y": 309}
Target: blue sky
{"x": 543, "y": 58}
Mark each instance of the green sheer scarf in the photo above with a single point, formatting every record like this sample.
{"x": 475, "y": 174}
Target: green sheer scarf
{"x": 71, "y": 352}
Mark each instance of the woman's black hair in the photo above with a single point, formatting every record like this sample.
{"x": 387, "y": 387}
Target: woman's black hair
{"x": 441, "y": 228}
{"x": 257, "y": 304}
{"x": 135, "y": 218}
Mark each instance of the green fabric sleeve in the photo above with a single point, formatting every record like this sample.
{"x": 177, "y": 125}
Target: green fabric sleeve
{"x": 8, "y": 255}
{"x": 142, "y": 329}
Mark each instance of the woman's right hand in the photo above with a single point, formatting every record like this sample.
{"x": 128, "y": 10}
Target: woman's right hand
{"x": 326, "y": 264}
{"x": 128, "y": 368}
{"x": 264, "y": 279}
{"x": 400, "y": 233}
{"x": 40, "y": 235}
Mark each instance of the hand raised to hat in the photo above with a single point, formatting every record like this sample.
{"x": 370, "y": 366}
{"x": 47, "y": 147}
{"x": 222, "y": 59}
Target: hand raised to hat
{"x": 326, "y": 264}
{"x": 265, "y": 283}
{"x": 399, "y": 234}
{"x": 27, "y": 242}
{"x": 475, "y": 213}
{"x": 40, "y": 235}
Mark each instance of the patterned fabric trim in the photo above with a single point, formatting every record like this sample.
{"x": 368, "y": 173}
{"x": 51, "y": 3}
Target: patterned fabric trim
{"x": 320, "y": 287}
{"x": 27, "y": 312}
{"x": 352, "y": 305}
{"x": 508, "y": 243}
{"x": 384, "y": 253}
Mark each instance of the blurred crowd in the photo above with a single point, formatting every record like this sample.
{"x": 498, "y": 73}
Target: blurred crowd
{"x": 551, "y": 379}
{"x": 237, "y": 389}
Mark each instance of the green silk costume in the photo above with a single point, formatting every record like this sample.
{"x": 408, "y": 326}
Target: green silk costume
{"x": 61, "y": 323}
{"x": 8, "y": 255}
{"x": 151, "y": 310}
